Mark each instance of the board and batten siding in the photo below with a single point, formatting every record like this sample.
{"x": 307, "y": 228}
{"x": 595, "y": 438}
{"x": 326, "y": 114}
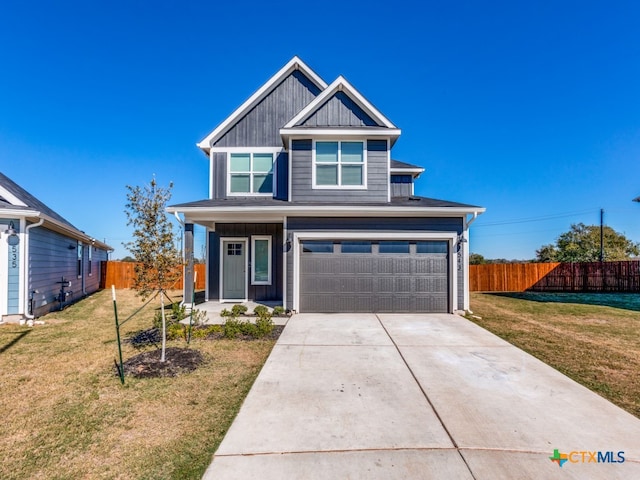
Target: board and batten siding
{"x": 369, "y": 225}
{"x": 50, "y": 260}
{"x": 339, "y": 111}
{"x": 302, "y": 180}
{"x": 260, "y": 127}
{"x": 247, "y": 230}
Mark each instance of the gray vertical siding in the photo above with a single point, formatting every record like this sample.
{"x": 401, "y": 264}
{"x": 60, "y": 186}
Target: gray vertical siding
{"x": 260, "y": 127}
{"x": 50, "y": 260}
{"x": 398, "y": 224}
{"x": 219, "y": 175}
{"x": 339, "y": 111}
{"x": 302, "y": 180}
{"x": 246, "y": 230}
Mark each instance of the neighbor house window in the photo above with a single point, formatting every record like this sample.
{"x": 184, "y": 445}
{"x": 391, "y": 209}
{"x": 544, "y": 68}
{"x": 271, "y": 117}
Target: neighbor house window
{"x": 250, "y": 173}
{"x": 79, "y": 250}
{"x": 339, "y": 164}
{"x": 90, "y": 259}
{"x": 261, "y": 260}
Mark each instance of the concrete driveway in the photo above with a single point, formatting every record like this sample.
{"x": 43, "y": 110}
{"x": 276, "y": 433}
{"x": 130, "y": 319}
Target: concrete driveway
{"x": 418, "y": 396}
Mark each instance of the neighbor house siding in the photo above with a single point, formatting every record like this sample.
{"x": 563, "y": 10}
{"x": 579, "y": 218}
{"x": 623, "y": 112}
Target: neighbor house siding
{"x": 246, "y": 230}
{"x": 364, "y": 224}
{"x": 260, "y": 126}
{"x": 52, "y": 257}
{"x": 339, "y": 111}
{"x": 302, "y": 180}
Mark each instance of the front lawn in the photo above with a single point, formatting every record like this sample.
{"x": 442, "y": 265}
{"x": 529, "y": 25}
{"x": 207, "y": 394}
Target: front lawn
{"x": 594, "y": 339}
{"x": 66, "y": 415}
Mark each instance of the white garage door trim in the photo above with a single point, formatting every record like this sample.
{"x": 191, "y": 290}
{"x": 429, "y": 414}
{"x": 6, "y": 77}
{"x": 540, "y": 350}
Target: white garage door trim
{"x": 450, "y": 237}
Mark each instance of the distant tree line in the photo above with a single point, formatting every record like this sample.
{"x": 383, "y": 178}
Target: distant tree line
{"x": 580, "y": 244}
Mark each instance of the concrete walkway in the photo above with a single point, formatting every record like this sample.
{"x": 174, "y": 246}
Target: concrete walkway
{"x": 418, "y": 397}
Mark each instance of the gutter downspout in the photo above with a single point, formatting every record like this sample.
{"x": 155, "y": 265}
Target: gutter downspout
{"x": 28, "y": 315}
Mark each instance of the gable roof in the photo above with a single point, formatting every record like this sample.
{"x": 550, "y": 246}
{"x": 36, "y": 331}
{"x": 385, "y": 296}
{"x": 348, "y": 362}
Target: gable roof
{"x": 340, "y": 85}
{"x": 16, "y": 201}
{"x": 405, "y": 168}
{"x": 294, "y": 64}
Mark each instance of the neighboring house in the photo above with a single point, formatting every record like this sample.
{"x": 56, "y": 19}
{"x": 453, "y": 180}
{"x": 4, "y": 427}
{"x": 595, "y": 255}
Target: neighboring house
{"x": 41, "y": 252}
{"x": 307, "y": 207}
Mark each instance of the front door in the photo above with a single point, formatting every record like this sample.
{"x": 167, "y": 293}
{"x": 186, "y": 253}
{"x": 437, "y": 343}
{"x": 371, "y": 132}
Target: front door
{"x": 234, "y": 269}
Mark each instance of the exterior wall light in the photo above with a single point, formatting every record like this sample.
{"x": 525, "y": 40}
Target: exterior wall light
{"x": 13, "y": 238}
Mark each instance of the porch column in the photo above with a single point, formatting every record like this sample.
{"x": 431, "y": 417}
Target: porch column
{"x": 188, "y": 267}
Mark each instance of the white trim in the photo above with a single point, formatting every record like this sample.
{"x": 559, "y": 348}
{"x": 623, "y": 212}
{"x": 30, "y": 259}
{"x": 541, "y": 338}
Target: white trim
{"x": 340, "y": 84}
{"x": 339, "y": 185}
{"x": 307, "y": 132}
{"x": 277, "y": 213}
{"x": 465, "y": 266}
{"x": 211, "y": 174}
{"x": 207, "y": 230}
{"x": 294, "y": 64}
{"x": 11, "y": 198}
{"x": 221, "y": 279}
{"x": 273, "y": 150}
{"x": 450, "y": 237}
{"x": 268, "y": 238}
{"x": 289, "y": 168}
{"x": 285, "y": 253}
{"x": 389, "y": 170}
{"x": 251, "y": 151}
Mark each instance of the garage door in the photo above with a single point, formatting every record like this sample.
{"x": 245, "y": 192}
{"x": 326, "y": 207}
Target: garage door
{"x": 374, "y": 276}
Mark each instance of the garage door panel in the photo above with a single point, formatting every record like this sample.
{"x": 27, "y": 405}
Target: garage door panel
{"x": 373, "y": 282}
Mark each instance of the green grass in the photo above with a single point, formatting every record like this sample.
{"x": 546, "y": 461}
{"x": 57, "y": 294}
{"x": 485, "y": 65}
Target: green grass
{"x": 66, "y": 415}
{"x": 594, "y": 339}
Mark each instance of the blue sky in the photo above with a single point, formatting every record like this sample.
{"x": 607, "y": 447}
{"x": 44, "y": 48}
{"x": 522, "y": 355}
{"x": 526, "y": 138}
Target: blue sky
{"x": 530, "y": 109}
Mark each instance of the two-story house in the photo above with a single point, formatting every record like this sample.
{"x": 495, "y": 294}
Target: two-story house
{"x": 307, "y": 206}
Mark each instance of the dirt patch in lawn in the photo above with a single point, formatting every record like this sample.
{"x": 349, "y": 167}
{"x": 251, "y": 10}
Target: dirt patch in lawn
{"x": 177, "y": 361}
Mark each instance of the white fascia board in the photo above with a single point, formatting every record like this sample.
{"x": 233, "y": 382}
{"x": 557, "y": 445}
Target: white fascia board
{"x": 294, "y": 64}
{"x": 11, "y": 198}
{"x": 305, "y": 132}
{"x": 10, "y": 213}
{"x": 340, "y": 84}
{"x": 407, "y": 170}
{"x": 243, "y": 213}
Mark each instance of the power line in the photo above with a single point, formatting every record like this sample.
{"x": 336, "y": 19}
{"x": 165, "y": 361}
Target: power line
{"x": 535, "y": 219}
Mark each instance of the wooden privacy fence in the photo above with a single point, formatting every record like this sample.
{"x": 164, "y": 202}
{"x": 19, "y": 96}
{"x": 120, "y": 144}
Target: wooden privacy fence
{"x": 121, "y": 274}
{"x": 621, "y": 276}
{"x": 507, "y": 277}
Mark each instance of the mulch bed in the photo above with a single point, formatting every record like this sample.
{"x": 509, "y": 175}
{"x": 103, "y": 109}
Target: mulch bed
{"x": 177, "y": 361}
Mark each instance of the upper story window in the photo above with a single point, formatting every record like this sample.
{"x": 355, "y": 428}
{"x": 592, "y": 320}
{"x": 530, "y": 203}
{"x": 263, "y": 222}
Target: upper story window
{"x": 339, "y": 164}
{"x": 250, "y": 174}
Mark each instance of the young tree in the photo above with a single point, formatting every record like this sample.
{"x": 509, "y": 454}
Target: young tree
{"x": 582, "y": 244}
{"x": 153, "y": 245}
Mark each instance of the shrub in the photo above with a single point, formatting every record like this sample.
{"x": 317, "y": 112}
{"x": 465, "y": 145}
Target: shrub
{"x": 249, "y": 329}
{"x": 232, "y": 327}
{"x": 264, "y": 326}
{"x": 261, "y": 311}
{"x": 225, "y": 313}
{"x": 204, "y": 332}
{"x": 176, "y": 331}
{"x": 238, "y": 310}
{"x": 279, "y": 310}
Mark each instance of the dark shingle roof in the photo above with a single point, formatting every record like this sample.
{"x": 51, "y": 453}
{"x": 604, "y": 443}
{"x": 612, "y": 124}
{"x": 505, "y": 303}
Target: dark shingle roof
{"x": 413, "y": 201}
{"x": 399, "y": 164}
{"x": 31, "y": 202}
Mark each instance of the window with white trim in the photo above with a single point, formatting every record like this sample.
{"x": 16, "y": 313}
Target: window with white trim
{"x": 339, "y": 163}
{"x": 79, "y": 248}
{"x": 250, "y": 174}
{"x": 261, "y": 260}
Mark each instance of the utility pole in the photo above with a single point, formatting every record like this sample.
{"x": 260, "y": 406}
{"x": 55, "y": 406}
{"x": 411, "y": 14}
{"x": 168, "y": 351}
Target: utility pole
{"x": 602, "y": 235}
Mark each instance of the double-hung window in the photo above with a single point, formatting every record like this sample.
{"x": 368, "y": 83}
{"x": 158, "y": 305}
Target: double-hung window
{"x": 339, "y": 164}
{"x": 250, "y": 173}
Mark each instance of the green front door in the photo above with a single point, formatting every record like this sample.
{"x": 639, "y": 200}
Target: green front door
{"x": 234, "y": 276}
